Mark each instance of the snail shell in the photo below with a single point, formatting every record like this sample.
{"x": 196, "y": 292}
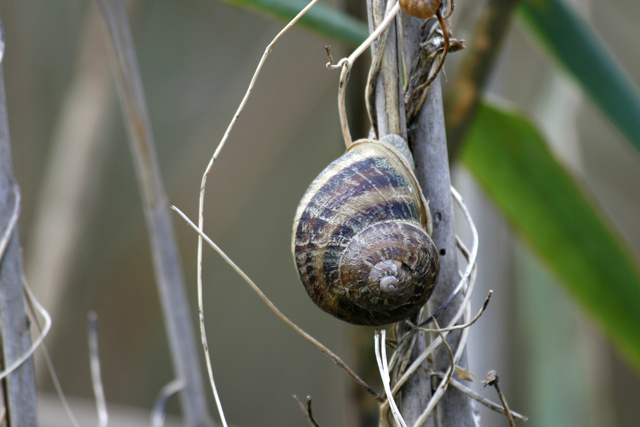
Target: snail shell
{"x": 360, "y": 240}
{"x": 423, "y": 9}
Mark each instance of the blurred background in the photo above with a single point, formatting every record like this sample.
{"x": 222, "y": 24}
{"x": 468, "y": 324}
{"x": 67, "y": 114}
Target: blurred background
{"x": 86, "y": 247}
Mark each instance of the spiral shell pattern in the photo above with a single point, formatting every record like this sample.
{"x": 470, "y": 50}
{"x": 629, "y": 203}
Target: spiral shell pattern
{"x": 423, "y": 9}
{"x": 359, "y": 239}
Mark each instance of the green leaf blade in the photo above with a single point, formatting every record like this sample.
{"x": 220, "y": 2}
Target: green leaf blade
{"x": 578, "y": 48}
{"x": 561, "y": 223}
{"x": 321, "y": 19}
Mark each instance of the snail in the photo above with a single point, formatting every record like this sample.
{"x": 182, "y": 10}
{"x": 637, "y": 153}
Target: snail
{"x": 423, "y": 9}
{"x": 361, "y": 240}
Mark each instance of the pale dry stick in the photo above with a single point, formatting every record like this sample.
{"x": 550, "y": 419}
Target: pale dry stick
{"x": 435, "y": 344}
{"x": 454, "y": 328}
{"x": 380, "y": 347}
{"x": 342, "y": 110}
{"x": 47, "y": 327}
{"x": 165, "y": 395}
{"x": 442, "y": 387}
{"x": 4, "y": 242}
{"x": 203, "y": 184}
{"x": 468, "y": 276}
{"x": 372, "y": 37}
{"x": 277, "y": 312}
{"x": 432, "y": 76}
{"x": 13, "y": 220}
{"x": 492, "y": 380}
{"x": 446, "y": 344}
{"x": 34, "y": 305}
{"x": 96, "y": 376}
{"x": 471, "y": 257}
{"x": 464, "y": 309}
{"x": 481, "y": 399}
{"x": 165, "y": 255}
{"x": 307, "y": 411}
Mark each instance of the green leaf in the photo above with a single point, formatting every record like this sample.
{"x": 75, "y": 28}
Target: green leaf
{"x": 546, "y": 205}
{"x": 322, "y": 19}
{"x": 576, "y": 46}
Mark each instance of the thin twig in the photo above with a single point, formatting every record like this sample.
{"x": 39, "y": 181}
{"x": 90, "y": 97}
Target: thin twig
{"x": 13, "y": 220}
{"x": 481, "y": 399}
{"x": 492, "y": 380}
{"x": 434, "y": 74}
{"x": 165, "y": 254}
{"x": 454, "y": 328}
{"x": 342, "y": 109}
{"x": 381, "y": 358}
{"x": 203, "y": 184}
{"x": 164, "y": 397}
{"x": 4, "y": 242}
{"x": 372, "y": 37}
{"x": 446, "y": 344}
{"x": 32, "y": 303}
{"x": 307, "y": 411}
{"x": 96, "y": 376}
{"x": 278, "y": 313}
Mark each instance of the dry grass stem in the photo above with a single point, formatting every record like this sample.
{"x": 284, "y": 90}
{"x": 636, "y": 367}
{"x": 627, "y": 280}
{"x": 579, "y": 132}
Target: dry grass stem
{"x": 308, "y": 413}
{"x": 33, "y": 305}
{"x": 278, "y": 313}
{"x": 372, "y": 37}
{"x": 163, "y": 399}
{"x": 342, "y": 94}
{"x": 381, "y": 358}
{"x": 454, "y": 328}
{"x": 467, "y": 282}
{"x": 203, "y": 184}
{"x": 4, "y": 242}
{"x": 492, "y": 380}
{"x": 481, "y": 399}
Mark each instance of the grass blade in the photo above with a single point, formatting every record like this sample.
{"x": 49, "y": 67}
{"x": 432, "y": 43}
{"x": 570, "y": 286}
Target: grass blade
{"x": 549, "y": 209}
{"x": 578, "y": 48}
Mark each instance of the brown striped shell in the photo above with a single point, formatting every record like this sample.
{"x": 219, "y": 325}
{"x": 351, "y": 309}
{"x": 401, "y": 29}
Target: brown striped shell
{"x": 360, "y": 240}
{"x": 423, "y": 9}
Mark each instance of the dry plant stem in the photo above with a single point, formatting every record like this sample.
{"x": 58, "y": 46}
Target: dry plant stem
{"x": 203, "y": 185}
{"x": 465, "y": 89}
{"x": 33, "y": 306}
{"x": 278, "y": 313}
{"x": 163, "y": 399}
{"x": 96, "y": 376}
{"x": 36, "y": 343}
{"x": 416, "y": 364}
{"x": 307, "y": 411}
{"x": 166, "y": 260}
{"x": 446, "y": 344}
{"x": 419, "y": 89}
{"x": 454, "y": 328}
{"x": 19, "y": 391}
{"x": 235, "y": 119}
{"x": 494, "y": 379}
{"x": 428, "y": 140}
{"x": 342, "y": 109}
{"x": 384, "y": 85}
{"x": 481, "y": 399}
{"x": 381, "y": 358}
{"x": 467, "y": 277}
{"x": 372, "y": 37}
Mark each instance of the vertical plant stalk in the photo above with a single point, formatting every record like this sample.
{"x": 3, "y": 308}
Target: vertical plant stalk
{"x": 19, "y": 388}
{"x": 166, "y": 260}
{"x": 428, "y": 140}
